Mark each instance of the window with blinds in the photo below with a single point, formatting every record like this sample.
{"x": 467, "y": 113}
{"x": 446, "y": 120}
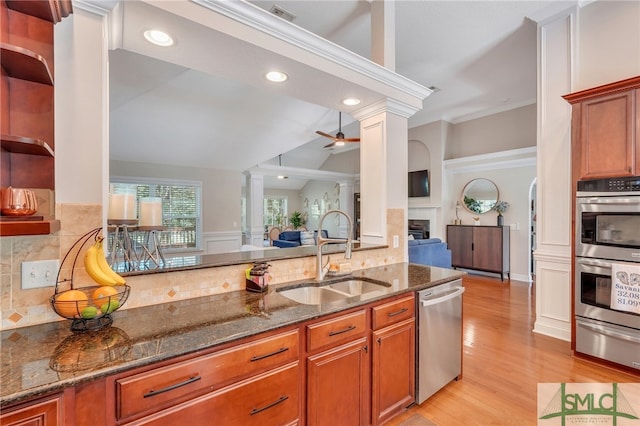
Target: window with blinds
{"x": 181, "y": 209}
{"x": 275, "y": 211}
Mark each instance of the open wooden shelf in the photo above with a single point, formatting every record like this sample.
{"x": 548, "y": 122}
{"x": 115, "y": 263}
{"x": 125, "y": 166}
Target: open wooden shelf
{"x": 26, "y": 227}
{"x": 24, "y": 64}
{"x": 49, "y": 10}
{"x": 24, "y": 145}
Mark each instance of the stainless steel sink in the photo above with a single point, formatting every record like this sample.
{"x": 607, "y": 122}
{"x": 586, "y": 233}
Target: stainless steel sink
{"x": 314, "y": 293}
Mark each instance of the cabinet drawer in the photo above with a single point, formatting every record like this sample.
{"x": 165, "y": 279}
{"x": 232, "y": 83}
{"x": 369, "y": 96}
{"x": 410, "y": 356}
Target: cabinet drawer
{"x": 393, "y": 312}
{"x": 270, "y": 399}
{"x": 336, "y": 330}
{"x": 156, "y": 389}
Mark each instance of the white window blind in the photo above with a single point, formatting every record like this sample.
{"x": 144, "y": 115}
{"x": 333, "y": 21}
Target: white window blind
{"x": 181, "y": 209}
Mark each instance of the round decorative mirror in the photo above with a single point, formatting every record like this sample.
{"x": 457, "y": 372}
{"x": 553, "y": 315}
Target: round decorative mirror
{"x": 479, "y": 196}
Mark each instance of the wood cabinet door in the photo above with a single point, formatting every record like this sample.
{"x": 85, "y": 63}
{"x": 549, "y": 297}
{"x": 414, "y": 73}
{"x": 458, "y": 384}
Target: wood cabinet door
{"x": 487, "y": 248}
{"x": 338, "y": 386}
{"x": 48, "y": 412}
{"x": 393, "y": 386}
{"x": 607, "y": 136}
{"x": 460, "y": 240}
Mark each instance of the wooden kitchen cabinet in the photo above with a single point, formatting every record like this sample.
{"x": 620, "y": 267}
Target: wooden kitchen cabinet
{"x": 27, "y": 101}
{"x": 393, "y": 358}
{"x": 44, "y": 412}
{"x": 483, "y": 248}
{"x": 338, "y": 385}
{"x": 605, "y": 130}
{"x": 338, "y": 371}
{"x": 272, "y": 398}
{"x": 355, "y": 367}
{"x": 194, "y": 387}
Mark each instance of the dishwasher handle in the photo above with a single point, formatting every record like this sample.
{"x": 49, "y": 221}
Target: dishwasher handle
{"x": 457, "y": 291}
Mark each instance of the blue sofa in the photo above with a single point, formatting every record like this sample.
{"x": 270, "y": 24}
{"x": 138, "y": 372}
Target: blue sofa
{"x": 430, "y": 251}
{"x": 292, "y": 238}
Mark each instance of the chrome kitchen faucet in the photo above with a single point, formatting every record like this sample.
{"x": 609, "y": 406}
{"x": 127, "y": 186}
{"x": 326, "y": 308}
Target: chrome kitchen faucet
{"x": 320, "y": 241}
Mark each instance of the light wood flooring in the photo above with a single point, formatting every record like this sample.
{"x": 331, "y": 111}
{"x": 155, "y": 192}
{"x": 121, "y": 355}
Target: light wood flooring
{"x": 503, "y": 361}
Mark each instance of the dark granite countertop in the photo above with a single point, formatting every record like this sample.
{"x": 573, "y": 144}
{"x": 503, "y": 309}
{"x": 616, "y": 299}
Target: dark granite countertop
{"x": 40, "y": 359}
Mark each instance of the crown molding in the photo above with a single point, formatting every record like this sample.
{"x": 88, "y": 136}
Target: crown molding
{"x": 521, "y": 157}
{"x": 297, "y": 172}
{"x": 384, "y": 105}
{"x": 97, "y": 8}
{"x": 261, "y": 20}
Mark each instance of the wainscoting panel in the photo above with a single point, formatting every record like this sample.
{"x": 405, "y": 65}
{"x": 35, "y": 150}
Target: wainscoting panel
{"x": 221, "y": 242}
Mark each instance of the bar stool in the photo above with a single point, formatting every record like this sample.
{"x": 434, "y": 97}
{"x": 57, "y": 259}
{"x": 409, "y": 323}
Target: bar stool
{"x": 122, "y": 244}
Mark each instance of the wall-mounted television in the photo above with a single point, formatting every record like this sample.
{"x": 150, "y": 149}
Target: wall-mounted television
{"x": 419, "y": 183}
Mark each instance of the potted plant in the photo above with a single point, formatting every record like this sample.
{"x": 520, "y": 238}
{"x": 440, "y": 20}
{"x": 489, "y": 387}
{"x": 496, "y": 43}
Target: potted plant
{"x": 296, "y": 219}
{"x": 500, "y": 207}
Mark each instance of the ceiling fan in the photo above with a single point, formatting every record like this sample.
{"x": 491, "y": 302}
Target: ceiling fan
{"x": 338, "y": 139}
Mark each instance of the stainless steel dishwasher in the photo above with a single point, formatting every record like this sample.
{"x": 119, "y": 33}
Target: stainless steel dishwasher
{"x": 439, "y": 338}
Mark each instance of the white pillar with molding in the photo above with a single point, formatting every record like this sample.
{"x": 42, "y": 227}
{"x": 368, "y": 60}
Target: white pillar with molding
{"x": 383, "y": 171}
{"x": 254, "y": 190}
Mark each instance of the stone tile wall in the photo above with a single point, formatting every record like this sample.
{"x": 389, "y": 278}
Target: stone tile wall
{"x": 22, "y": 308}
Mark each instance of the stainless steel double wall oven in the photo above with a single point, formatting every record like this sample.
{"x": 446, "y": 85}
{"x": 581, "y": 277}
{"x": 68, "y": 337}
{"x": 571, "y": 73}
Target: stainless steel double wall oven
{"x": 607, "y": 234}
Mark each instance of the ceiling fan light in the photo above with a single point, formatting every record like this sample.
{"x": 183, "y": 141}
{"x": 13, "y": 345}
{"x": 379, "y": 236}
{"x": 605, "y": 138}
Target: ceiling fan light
{"x": 282, "y": 177}
{"x": 351, "y": 101}
{"x": 159, "y": 38}
{"x": 276, "y": 76}
{"x": 339, "y": 143}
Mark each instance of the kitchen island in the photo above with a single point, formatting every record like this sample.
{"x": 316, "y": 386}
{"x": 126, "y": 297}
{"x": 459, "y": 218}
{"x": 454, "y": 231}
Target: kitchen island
{"x": 45, "y": 359}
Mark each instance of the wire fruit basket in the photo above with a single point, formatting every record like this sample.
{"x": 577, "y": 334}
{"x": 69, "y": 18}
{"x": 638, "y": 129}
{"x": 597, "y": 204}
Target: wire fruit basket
{"x": 89, "y": 307}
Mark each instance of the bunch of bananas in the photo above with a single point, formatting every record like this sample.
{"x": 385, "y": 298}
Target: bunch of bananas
{"x": 95, "y": 262}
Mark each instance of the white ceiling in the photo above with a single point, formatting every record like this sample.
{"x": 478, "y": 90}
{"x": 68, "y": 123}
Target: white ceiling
{"x": 180, "y": 106}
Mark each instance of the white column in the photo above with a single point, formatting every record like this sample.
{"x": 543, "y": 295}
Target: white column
{"x": 383, "y": 171}
{"x": 254, "y": 231}
{"x": 553, "y": 236}
{"x": 346, "y": 205}
{"x": 82, "y": 107}
{"x": 383, "y": 33}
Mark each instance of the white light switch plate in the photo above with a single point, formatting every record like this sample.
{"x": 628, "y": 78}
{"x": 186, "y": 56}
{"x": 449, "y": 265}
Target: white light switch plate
{"x": 39, "y": 273}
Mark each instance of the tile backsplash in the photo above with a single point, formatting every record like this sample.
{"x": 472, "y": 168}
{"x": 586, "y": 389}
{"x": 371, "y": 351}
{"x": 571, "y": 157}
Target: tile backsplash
{"x": 22, "y": 308}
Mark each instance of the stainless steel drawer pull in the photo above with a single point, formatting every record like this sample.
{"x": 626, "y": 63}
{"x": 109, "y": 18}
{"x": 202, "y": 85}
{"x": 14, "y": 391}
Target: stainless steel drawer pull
{"x": 401, "y": 311}
{"x": 172, "y": 387}
{"x": 266, "y": 407}
{"x": 259, "y": 357}
{"x": 334, "y": 333}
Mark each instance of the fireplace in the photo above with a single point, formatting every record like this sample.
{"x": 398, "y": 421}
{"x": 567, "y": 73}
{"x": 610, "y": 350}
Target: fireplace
{"x": 419, "y": 229}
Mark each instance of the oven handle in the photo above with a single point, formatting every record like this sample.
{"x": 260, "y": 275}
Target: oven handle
{"x": 607, "y": 332}
{"x": 593, "y": 262}
{"x": 626, "y": 201}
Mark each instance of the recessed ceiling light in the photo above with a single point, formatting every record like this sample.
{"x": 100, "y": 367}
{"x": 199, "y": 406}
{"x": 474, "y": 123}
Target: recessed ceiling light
{"x": 158, "y": 37}
{"x": 351, "y": 101}
{"x": 276, "y": 76}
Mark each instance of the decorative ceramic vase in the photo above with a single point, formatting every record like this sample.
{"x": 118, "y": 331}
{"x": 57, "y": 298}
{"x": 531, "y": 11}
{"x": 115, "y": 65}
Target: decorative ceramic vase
{"x": 500, "y": 220}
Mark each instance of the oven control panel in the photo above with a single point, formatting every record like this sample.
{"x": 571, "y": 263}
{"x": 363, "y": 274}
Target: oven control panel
{"x": 622, "y": 184}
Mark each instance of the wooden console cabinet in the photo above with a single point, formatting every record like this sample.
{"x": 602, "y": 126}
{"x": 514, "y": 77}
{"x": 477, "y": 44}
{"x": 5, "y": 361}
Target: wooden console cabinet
{"x": 483, "y": 248}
